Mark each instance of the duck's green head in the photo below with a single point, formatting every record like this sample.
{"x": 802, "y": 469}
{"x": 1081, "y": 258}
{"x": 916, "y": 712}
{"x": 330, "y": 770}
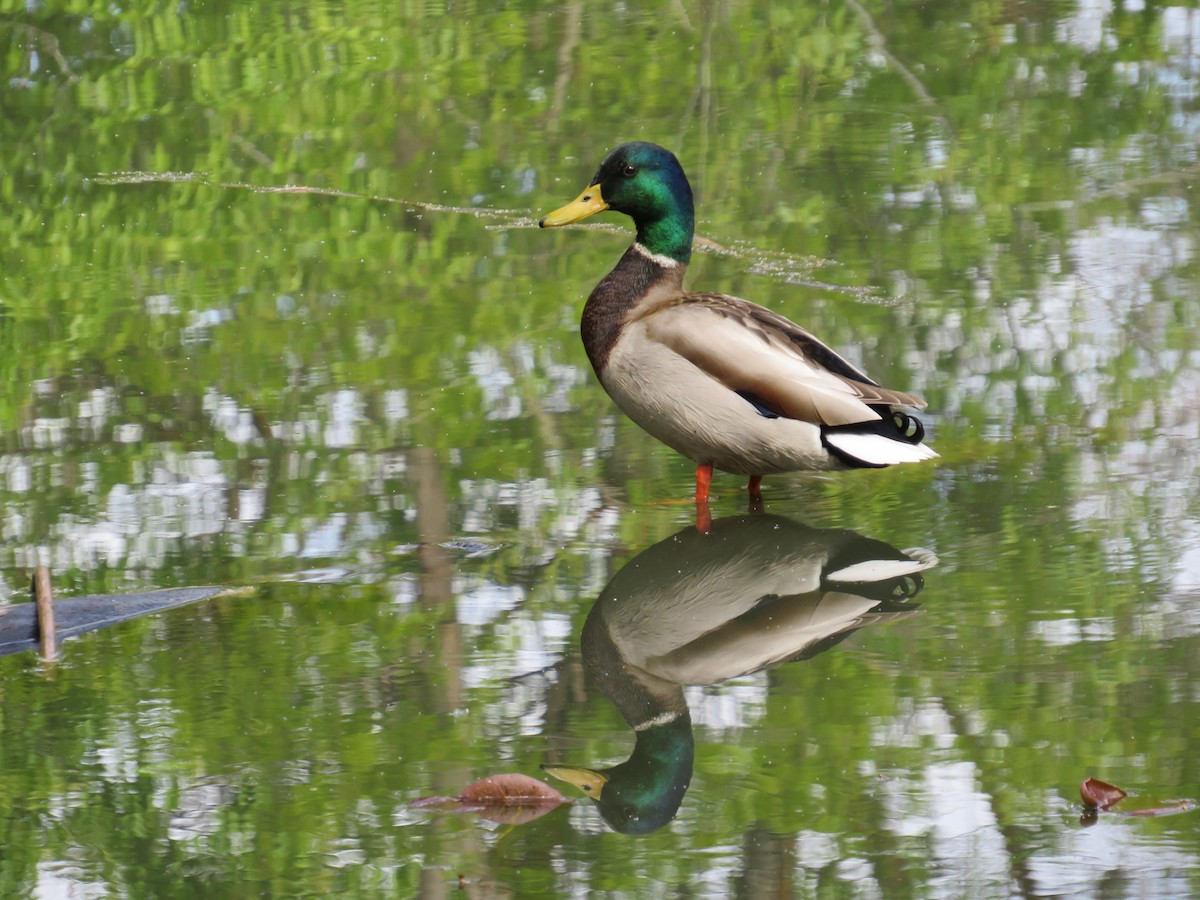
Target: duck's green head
{"x": 628, "y": 801}
{"x": 643, "y": 793}
{"x": 646, "y": 182}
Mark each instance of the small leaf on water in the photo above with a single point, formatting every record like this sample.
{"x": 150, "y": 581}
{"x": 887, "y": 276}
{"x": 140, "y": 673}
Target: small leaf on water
{"x": 511, "y": 790}
{"x": 1099, "y": 794}
{"x": 507, "y": 799}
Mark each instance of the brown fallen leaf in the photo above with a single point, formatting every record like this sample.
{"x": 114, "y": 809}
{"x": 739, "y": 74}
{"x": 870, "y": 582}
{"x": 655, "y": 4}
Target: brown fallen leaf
{"x": 511, "y": 799}
{"x": 1099, "y": 794}
{"x": 511, "y": 790}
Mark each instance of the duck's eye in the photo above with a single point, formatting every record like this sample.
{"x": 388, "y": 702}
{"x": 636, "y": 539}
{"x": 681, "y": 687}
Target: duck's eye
{"x": 629, "y": 171}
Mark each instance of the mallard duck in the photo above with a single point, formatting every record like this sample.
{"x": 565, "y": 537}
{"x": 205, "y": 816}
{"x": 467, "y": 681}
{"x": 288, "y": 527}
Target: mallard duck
{"x": 726, "y": 382}
{"x": 755, "y": 592}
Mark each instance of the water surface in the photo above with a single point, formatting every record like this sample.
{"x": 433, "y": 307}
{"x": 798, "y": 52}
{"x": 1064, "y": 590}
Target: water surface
{"x": 368, "y": 401}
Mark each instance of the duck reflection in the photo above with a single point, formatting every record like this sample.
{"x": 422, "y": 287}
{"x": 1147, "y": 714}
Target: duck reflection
{"x": 754, "y": 592}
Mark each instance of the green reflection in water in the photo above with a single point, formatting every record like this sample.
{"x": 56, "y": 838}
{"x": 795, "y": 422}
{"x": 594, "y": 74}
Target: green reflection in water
{"x": 995, "y": 205}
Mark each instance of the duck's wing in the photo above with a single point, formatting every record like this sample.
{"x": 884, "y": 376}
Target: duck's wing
{"x": 772, "y": 362}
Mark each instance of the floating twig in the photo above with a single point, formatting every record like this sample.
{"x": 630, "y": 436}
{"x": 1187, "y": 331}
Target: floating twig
{"x": 45, "y": 612}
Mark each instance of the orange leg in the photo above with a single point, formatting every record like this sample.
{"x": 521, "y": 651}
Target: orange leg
{"x": 703, "y": 481}
{"x": 703, "y": 515}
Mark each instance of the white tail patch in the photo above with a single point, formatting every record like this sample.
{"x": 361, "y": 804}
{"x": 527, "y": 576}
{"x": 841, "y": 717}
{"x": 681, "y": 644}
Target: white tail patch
{"x": 877, "y": 450}
{"x": 873, "y": 570}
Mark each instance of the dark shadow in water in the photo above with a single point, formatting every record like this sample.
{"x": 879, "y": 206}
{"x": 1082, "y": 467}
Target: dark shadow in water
{"x": 755, "y": 592}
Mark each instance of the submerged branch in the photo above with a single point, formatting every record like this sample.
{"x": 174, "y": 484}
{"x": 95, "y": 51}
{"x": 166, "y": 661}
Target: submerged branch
{"x": 778, "y": 265}
{"x": 49, "y": 43}
{"x": 879, "y": 42}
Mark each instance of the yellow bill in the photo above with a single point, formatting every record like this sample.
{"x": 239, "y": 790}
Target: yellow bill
{"x": 587, "y": 780}
{"x": 586, "y": 204}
